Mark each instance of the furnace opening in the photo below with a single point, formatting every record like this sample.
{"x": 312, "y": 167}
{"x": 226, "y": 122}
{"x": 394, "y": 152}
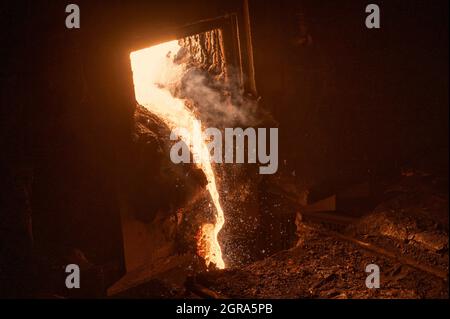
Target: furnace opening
{"x": 169, "y": 81}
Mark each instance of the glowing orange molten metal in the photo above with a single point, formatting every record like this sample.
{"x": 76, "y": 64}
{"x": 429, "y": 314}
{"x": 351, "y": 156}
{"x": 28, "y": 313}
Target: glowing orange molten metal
{"x": 153, "y": 70}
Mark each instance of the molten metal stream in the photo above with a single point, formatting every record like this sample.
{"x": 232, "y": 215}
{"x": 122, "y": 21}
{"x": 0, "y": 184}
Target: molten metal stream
{"x": 153, "y": 70}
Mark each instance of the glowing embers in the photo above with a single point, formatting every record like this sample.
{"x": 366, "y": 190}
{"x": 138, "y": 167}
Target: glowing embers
{"x": 155, "y": 73}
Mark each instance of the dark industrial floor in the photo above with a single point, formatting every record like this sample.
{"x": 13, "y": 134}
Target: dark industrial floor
{"x": 405, "y": 234}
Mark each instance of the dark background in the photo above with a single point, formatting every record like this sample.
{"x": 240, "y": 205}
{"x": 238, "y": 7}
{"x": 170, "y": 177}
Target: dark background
{"x": 350, "y": 102}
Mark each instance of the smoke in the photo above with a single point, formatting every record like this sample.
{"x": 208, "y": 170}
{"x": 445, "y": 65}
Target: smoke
{"x": 218, "y": 103}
